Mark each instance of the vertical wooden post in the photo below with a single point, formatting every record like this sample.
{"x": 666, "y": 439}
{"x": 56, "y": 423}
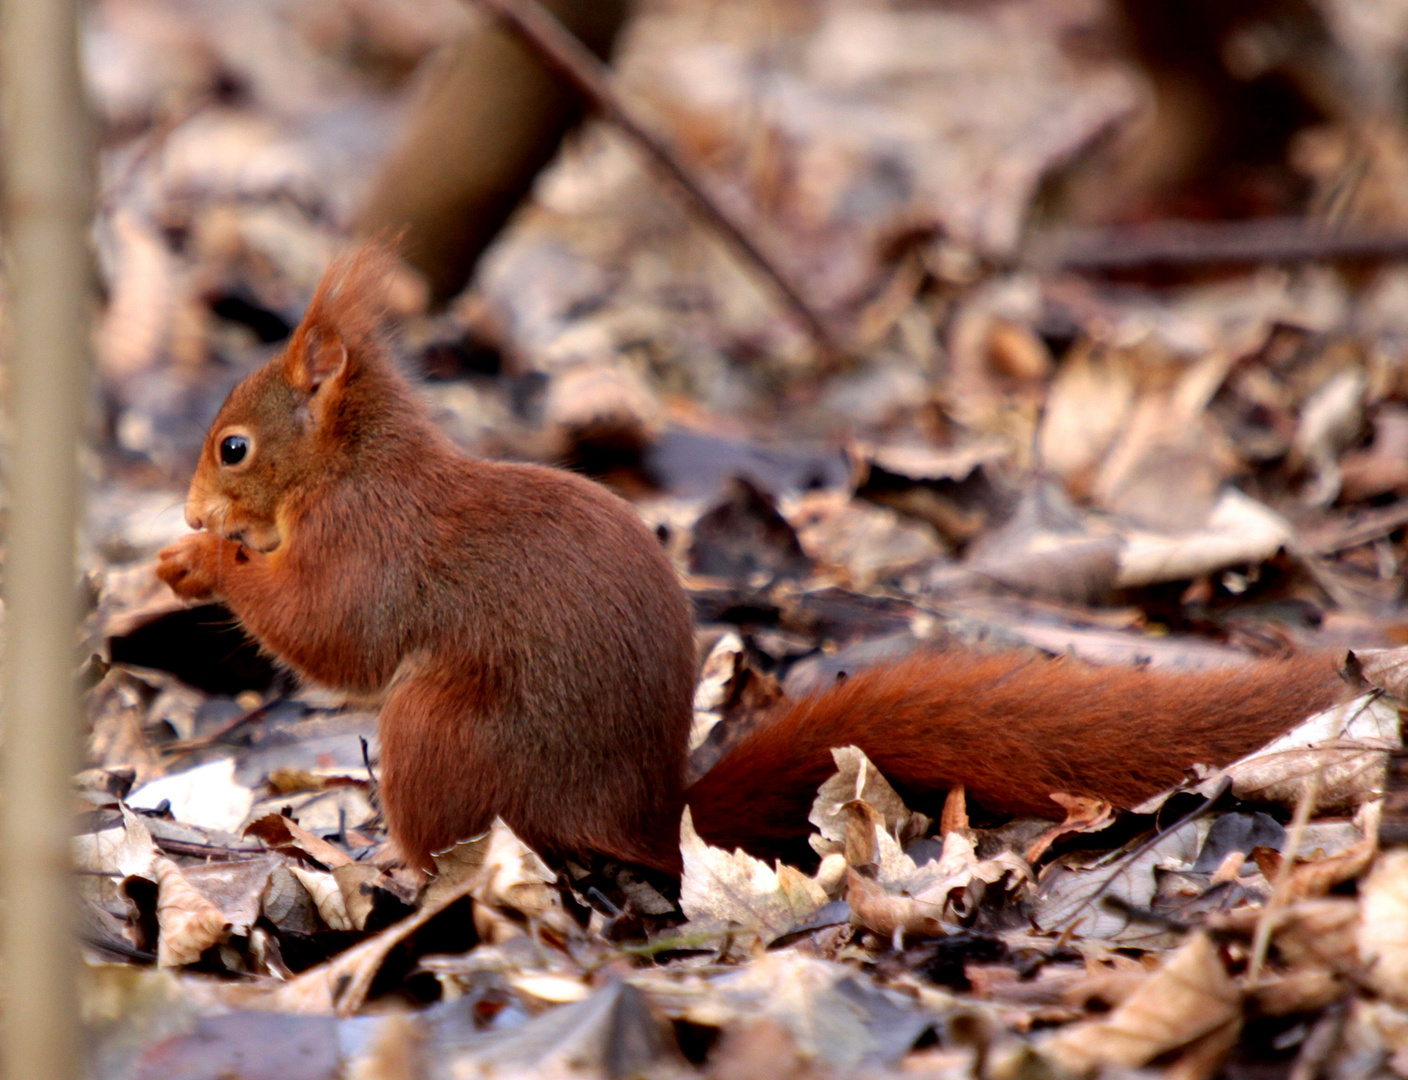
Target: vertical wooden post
{"x": 44, "y": 154}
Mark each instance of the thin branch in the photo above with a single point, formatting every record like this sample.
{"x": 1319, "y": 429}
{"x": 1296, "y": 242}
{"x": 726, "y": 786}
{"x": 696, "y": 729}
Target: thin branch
{"x": 560, "y": 49}
{"x": 1207, "y": 243}
{"x": 1266, "y": 924}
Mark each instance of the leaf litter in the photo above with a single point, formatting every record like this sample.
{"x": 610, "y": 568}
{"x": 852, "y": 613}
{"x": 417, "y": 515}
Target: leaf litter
{"x": 1172, "y": 467}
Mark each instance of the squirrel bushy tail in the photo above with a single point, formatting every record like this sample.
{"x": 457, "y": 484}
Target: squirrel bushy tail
{"x": 1011, "y": 728}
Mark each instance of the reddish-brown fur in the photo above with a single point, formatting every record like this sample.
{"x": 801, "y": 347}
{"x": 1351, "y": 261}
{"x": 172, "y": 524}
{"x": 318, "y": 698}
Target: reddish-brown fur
{"x": 532, "y": 649}
{"x": 1010, "y": 729}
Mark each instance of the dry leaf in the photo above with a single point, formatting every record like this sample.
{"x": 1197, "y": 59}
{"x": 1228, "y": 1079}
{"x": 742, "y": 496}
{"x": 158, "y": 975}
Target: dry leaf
{"x": 884, "y": 913}
{"x": 864, "y": 540}
{"x": 284, "y": 834}
{"x": 1348, "y": 744}
{"x": 1190, "y": 996}
{"x": 1304, "y": 990}
{"x": 515, "y": 876}
{"x": 1383, "y": 669}
{"x": 234, "y": 887}
{"x": 893, "y": 823}
{"x": 1383, "y": 926}
{"x": 341, "y": 984}
{"x": 1319, "y": 933}
{"x": 1086, "y": 410}
{"x": 1082, "y": 815}
{"x": 188, "y": 922}
{"x": 356, "y": 901}
{"x": 327, "y": 896}
{"x": 138, "y": 854}
{"x": 1239, "y": 530}
{"x": 721, "y": 887}
{"x": 1069, "y": 893}
{"x": 711, "y": 690}
{"x": 208, "y": 795}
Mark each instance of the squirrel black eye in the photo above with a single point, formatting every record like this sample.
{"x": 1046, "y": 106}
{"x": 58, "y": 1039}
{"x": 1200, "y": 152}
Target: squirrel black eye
{"x": 233, "y": 449}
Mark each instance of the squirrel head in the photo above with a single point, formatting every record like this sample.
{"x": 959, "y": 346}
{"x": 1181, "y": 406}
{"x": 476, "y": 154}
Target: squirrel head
{"x": 301, "y": 419}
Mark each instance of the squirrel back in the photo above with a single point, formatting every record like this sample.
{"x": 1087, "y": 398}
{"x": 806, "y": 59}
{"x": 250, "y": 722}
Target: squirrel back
{"x": 532, "y": 652}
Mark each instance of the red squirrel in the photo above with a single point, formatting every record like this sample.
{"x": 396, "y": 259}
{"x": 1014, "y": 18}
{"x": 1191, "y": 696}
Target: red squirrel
{"x": 533, "y": 653}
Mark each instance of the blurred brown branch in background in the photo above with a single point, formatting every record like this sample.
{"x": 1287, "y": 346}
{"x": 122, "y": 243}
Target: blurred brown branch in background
{"x": 489, "y": 119}
{"x": 575, "y": 62}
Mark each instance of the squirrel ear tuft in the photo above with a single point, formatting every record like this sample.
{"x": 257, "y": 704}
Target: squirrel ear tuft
{"x": 340, "y": 330}
{"x": 316, "y": 357}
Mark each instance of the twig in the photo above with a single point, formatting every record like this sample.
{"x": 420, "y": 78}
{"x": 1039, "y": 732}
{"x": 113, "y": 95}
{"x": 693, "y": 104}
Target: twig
{"x": 204, "y": 742}
{"x": 1224, "y": 786}
{"x": 1264, "y": 925}
{"x": 1363, "y": 527}
{"x": 1203, "y": 243}
{"x": 560, "y": 49}
{"x": 208, "y": 851}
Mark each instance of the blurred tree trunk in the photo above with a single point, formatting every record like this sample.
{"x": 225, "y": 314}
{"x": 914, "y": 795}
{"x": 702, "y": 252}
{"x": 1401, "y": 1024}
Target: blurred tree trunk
{"x": 490, "y": 116}
{"x": 46, "y": 187}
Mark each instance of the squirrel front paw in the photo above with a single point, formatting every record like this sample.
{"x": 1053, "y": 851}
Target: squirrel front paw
{"x": 191, "y": 566}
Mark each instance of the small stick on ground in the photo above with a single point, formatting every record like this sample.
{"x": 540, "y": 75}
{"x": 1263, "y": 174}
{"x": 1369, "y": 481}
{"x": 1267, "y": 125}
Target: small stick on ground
{"x": 1266, "y": 925}
{"x": 562, "y": 52}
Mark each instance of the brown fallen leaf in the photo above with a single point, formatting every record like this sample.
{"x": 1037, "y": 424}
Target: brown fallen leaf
{"x": 357, "y": 902}
{"x": 1304, "y": 990}
{"x": 1189, "y": 997}
{"x": 1082, "y": 815}
{"x": 857, "y": 779}
{"x": 888, "y": 915}
{"x": 1320, "y": 932}
{"x": 189, "y": 923}
{"x": 1318, "y": 876}
{"x": 234, "y": 887}
{"x": 1203, "y": 1057}
{"x": 284, "y": 834}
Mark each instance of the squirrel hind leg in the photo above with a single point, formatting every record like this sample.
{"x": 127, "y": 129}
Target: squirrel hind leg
{"x": 436, "y": 788}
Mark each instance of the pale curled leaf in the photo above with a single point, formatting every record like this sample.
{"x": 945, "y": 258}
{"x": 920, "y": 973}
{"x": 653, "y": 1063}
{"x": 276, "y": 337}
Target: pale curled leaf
{"x": 857, "y": 778}
{"x": 1347, "y": 744}
{"x": 711, "y": 690}
{"x": 515, "y": 875}
{"x": 1188, "y": 997}
{"x": 735, "y": 887}
{"x": 1384, "y": 669}
{"x": 137, "y": 855}
{"x": 187, "y": 922}
{"x": 1239, "y": 530}
{"x": 208, "y": 795}
{"x": 327, "y": 897}
{"x": 506, "y": 872}
{"x": 357, "y": 902}
{"x": 1383, "y": 926}
{"x": 884, "y": 913}
{"x": 1082, "y": 815}
{"x": 957, "y": 879}
{"x": 870, "y": 844}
